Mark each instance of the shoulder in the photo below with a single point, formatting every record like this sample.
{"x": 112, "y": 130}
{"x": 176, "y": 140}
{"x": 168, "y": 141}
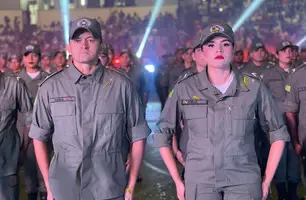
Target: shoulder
{"x": 118, "y": 75}
{"x": 51, "y": 77}
{"x": 12, "y": 79}
{"x": 186, "y": 75}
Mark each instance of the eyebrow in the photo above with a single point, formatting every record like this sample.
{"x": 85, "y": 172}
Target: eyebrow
{"x": 224, "y": 40}
{"x": 80, "y": 38}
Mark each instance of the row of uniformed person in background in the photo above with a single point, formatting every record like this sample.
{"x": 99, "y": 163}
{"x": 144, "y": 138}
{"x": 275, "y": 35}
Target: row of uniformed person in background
{"x": 19, "y": 86}
{"x": 217, "y": 122}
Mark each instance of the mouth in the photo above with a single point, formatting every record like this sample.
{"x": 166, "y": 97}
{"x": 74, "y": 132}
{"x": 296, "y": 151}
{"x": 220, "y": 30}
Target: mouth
{"x": 219, "y": 57}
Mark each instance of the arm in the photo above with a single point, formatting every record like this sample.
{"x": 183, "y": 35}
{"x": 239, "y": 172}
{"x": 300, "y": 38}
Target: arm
{"x": 137, "y": 132}
{"x": 271, "y": 117}
{"x": 292, "y": 127}
{"x": 41, "y": 131}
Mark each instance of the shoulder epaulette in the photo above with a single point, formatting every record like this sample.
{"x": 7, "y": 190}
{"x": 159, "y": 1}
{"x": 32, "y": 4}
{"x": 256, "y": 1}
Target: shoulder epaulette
{"x": 252, "y": 76}
{"x": 49, "y": 77}
{"x": 186, "y": 75}
{"x": 301, "y": 66}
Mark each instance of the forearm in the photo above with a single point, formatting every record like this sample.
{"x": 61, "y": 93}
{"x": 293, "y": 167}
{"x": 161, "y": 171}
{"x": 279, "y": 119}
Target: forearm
{"x": 292, "y": 127}
{"x": 26, "y": 138}
{"x": 41, "y": 152}
{"x": 136, "y": 157}
{"x": 275, "y": 154}
{"x": 174, "y": 145}
{"x": 168, "y": 158}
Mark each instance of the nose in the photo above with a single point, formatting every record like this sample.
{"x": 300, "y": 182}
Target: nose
{"x": 84, "y": 44}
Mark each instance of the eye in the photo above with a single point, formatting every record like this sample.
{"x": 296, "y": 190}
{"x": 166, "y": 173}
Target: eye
{"x": 226, "y": 44}
{"x": 91, "y": 40}
{"x": 210, "y": 45}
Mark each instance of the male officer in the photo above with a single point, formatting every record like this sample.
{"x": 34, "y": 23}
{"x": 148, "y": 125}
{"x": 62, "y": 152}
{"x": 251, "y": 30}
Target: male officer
{"x": 59, "y": 60}
{"x": 295, "y": 108}
{"x": 33, "y": 75}
{"x": 46, "y": 63}
{"x": 275, "y": 78}
{"x": 89, "y": 112}
{"x": 14, "y": 98}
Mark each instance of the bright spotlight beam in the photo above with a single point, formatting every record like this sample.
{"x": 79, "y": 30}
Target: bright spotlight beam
{"x": 247, "y": 13}
{"x": 299, "y": 43}
{"x": 156, "y": 9}
{"x": 65, "y": 19}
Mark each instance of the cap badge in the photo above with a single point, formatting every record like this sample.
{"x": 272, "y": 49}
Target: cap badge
{"x": 259, "y": 45}
{"x": 83, "y": 23}
{"x": 29, "y": 48}
{"x": 286, "y": 43}
{"x": 216, "y": 29}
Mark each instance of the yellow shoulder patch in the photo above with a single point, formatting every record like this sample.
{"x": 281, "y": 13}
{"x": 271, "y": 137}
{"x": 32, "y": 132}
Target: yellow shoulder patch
{"x": 246, "y": 81}
{"x": 171, "y": 93}
{"x": 288, "y": 88}
{"x": 196, "y": 98}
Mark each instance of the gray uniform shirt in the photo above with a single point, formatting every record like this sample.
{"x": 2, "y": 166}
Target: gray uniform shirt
{"x": 275, "y": 79}
{"x": 251, "y": 68}
{"x": 295, "y": 101}
{"x": 14, "y": 97}
{"x": 89, "y": 119}
{"x": 218, "y": 132}
{"x": 175, "y": 73}
{"x": 32, "y": 84}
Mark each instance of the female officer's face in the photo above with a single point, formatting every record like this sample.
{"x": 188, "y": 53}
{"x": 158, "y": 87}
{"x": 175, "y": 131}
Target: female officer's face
{"x": 219, "y": 52}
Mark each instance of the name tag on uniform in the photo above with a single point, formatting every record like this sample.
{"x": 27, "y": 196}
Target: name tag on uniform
{"x": 302, "y": 89}
{"x": 62, "y": 99}
{"x": 194, "y": 102}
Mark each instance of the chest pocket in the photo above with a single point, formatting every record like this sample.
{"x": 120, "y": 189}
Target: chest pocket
{"x": 243, "y": 121}
{"x": 277, "y": 89}
{"x": 196, "y": 119}
{"x": 110, "y": 120}
{"x": 64, "y": 117}
{"x": 7, "y": 107}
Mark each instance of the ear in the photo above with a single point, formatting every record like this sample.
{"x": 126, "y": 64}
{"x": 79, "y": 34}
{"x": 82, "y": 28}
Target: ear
{"x": 276, "y": 55}
{"x": 193, "y": 56}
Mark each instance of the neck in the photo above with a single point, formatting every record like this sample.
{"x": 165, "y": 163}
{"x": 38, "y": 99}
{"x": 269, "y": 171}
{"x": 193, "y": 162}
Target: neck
{"x": 218, "y": 76}
{"x": 32, "y": 69}
{"x": 256, "y": 63}
{"x": 187, "y": 64}
{"x": 126, "y": 68}
{"x": 200, "y": 68}
{"x": 16, "y": 70}
{"x": 284, "y": 65}
{"x": 85, "y": 68}
{"x": 58, "y": 68}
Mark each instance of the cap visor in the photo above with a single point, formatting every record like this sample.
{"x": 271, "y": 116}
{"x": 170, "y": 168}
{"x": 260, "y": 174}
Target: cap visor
{"x": 212, "y": 36}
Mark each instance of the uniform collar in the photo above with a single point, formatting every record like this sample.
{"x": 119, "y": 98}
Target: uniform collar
{"x": 239, "y": 82}
{"x": 75, "y": 75}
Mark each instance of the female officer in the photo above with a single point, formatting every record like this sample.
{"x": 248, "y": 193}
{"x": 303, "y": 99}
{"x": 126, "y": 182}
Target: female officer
{"x": 220, "y": 107}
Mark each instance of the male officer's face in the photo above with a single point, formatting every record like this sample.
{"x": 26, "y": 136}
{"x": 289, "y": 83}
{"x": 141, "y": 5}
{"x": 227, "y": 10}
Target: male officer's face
{"x": 178, "y": 56}
{"x": 238, "y": 58}
{"x": 125, "y": 60}
{"x": 219, "y": 52}
{"x": 258, "y": 55}
{"x": 60, "y": 60}
{"x": 84, "y": 47}
{"x": 46, "y": 61}
{"x": 104, "y": 59}
{"x": 110, "y": 56}
{"x": 285, "y": 55}
{"x": 198, "y": 57}
{"x": 31, "y": 60}
{"x": 15, "y": 64}
{"x": 295, "y": 54}
{"x": 187, "y": 56}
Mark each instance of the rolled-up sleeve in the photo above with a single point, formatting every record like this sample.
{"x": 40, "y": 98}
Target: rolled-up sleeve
{"x": 167, "y": 122}
{"x": 25, "y": 104}
{"x": 42, "y": 123}
{"x": 291, "y": 104}
{"x": 137, "y": 126}
{"x": 270, "y": 116}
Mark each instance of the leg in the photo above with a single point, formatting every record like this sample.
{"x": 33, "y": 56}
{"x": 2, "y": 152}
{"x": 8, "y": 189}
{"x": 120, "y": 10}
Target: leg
{"x": 202, "y": 192}
{"x": 30, "y": 173}
{"x": 294, "y": 173}
{"x": 9, "y": 187}
{"x": 280, "y": 177}
{"x": 243, "y": 192}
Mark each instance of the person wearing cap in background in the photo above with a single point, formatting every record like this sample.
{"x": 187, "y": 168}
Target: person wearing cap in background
{"x": 89, "y": 111}
{"x": 238, "y": 59}
{"x": 178, "y": 56}
{"x": 107, "y": 56}
{"x": 46, "y": 63}
{"x": 177, "y": 71}
{"x": 111, "y": 55}
{"x": 257, "y": 64}
{"x": 130, "y": 67}
{"x": 219, "y": 106}
{"x": 14, "y": 98}
{"x": 59, "y": 60}
{"x": 3, "y": 63}
{"x": 33, "y": 75}
{"x": 15, "y": 63}
{"x": 288, "y": 172}
{"x": 302, "y": 55}
{"x": 295, "y": 108}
